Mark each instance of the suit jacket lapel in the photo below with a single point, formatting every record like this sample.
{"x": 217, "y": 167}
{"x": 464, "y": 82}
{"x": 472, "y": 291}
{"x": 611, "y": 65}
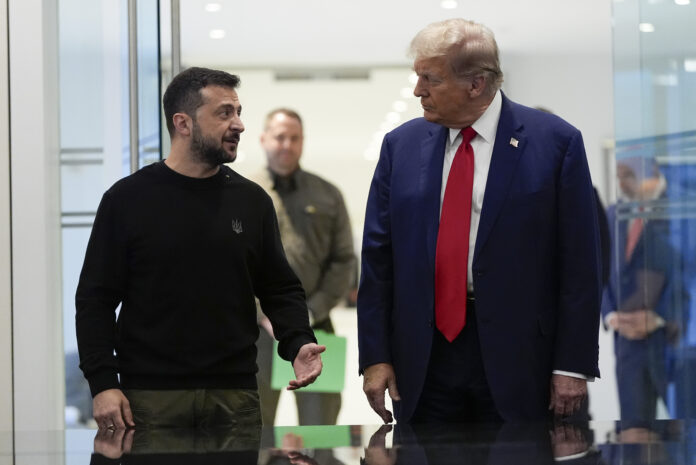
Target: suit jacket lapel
{"x": 504, "y": 162}
{"x": 432, "y": 156}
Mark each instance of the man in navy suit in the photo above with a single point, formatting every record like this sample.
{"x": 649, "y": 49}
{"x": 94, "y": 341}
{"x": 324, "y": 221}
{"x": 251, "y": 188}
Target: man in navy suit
{"x": 643, "y": 301}
{"x": 480, "y": 289}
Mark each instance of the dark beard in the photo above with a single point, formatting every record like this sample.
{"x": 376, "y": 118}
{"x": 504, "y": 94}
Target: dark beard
{"x": 207, "y": 151}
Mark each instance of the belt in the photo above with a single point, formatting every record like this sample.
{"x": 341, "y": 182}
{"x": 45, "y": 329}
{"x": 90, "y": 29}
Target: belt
{"x": 470, "y": 297}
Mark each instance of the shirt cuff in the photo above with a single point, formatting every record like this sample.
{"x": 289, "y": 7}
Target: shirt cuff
{"x": 572, "y": 457}
{"x": 608, "y": 317}
{"x": 589, "y": 379}
{"x": 660, "y": 322}
{"x": 103, "y": 380}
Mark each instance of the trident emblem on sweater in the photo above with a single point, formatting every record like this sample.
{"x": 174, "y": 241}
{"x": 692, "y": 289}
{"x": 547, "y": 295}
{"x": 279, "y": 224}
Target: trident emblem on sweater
{"x": 237, "y": 226}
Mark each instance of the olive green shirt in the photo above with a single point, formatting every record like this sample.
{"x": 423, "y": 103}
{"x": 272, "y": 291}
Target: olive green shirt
{"x": 316, "y": 235}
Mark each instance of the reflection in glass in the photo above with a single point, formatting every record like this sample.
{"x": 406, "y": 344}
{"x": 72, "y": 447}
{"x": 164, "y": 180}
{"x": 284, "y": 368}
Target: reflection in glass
{"x": 640, "y": 302}
{"x": 169, "y": 446}
{"x": 482, "y": 444}
{"x": 653, "y": 289}
{"x": 658, "y": 442}
{"x": 93, "y": 47}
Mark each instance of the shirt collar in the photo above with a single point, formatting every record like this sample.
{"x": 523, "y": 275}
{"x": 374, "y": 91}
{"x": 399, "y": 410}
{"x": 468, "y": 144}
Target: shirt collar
{"x": 285, "y": 183}
{"x": 487, "y": 124}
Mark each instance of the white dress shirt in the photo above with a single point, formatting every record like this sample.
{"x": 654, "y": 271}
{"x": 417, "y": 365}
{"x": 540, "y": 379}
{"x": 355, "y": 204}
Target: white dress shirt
{"x": 486, "y": 128}
{"x": 482, "y": 144}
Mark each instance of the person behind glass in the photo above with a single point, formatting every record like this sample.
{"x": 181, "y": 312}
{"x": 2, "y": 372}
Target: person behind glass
{"x": 480, "y": 289}
{"x": 640, "y": 303}
{"x": 318, "y": 242}
{"x": 185, "y": 245}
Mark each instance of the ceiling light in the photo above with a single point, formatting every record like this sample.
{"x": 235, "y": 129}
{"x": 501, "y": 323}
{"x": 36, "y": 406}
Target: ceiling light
{"x": 386, "y": 126}
{"x": 690, "y": 65}
{"x": 393, "y": 117}
{"x": 682, "y": 2}
{"x": 213, "y": 7}
{"x": 646, "y": 27}
{"x": 400, "y": 106}
{"x": 449, "y": 4}
{"x": 217, "y": 33}
{"x": 406, "y": 92}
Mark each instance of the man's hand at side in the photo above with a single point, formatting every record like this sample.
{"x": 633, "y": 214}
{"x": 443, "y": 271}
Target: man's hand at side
{"x": 638, "y": 324}
{"x": 112, "y": 410}
{"x": 378, "y": 378}
{"x": 307, "y": 366}
{"x": 112, "y": 444}
{"x": 567, "y": 394}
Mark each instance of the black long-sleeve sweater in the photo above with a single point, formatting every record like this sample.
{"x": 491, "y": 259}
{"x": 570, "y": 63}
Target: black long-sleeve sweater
{"x": 185, "y": 258}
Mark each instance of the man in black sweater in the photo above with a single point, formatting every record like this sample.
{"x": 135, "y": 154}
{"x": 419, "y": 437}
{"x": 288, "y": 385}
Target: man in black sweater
{"x": 184, "y": 245}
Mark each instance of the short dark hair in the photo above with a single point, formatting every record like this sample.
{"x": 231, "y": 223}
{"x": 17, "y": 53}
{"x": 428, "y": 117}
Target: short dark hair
{"x": 284, "y": 111}
{"x": 183, "y": 94}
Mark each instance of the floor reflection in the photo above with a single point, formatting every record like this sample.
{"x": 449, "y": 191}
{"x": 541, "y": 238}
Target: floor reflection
{"x": 660, "y": 442}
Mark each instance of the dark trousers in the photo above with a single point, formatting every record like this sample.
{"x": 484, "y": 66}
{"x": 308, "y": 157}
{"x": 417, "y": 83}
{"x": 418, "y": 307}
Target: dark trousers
{"x": 231, "y": 409}
{"x": 456, "y": 390}
{"x": 640, "y": 376}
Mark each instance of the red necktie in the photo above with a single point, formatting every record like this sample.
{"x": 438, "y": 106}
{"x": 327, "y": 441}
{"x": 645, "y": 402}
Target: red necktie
{"x": 634, "y": 231}
{"x": 452, "y": 255}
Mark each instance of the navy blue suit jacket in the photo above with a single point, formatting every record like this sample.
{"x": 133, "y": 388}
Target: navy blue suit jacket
{"x": 653, "y": 253}
{"x": 535, "y": 266}
{"x": 650, "y": 278}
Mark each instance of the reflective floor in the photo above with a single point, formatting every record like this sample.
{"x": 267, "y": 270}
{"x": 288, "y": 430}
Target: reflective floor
{"x": 661, "y": 442}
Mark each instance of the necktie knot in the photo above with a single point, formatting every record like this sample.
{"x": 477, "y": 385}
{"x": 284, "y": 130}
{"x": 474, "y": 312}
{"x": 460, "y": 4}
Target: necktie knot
{"x": 468, "y": 134}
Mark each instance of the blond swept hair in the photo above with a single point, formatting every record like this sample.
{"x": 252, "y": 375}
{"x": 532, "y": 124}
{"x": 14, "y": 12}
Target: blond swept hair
{"x": 469, "y": 47}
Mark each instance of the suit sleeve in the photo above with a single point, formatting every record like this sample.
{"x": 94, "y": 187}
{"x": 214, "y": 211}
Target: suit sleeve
{"x": 609, "y": 303}
{"x": 376, "y": 280}
{"x": 577, "y": 345}
{"x": 663, "y": 258}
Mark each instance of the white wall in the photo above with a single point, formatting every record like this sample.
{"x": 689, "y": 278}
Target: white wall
{"x": 38, "y": 349}
{"x": 579, "y": 88}
{"x": 340, "y": 120}
{"x": 5, "y": 254}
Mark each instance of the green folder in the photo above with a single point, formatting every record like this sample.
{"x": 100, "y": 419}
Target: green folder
{"x": 315, "y": 436}
{"x": 333, "y": 373}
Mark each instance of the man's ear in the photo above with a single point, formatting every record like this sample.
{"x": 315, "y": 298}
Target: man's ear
{"x": 477, "y": 86}
{"x": 183, "y": 124}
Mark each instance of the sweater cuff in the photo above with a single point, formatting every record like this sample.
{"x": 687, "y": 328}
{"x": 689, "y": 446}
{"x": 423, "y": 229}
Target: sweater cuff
{"x": 103, "y": 380}
{"x": 293, "y": 347}
{"x": 98, "y": 459}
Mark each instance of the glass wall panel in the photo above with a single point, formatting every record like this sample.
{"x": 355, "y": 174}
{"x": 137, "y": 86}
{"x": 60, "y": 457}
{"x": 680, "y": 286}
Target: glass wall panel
{"x": 95, "y": 150}
{"x": 652, "y": 292}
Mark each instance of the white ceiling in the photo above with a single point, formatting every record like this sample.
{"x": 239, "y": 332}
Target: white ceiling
{"x": 296, "y": 33}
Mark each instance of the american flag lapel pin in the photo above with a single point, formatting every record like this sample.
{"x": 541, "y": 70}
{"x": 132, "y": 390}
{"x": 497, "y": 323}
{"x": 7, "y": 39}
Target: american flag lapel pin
{"x": 514, "y": 142}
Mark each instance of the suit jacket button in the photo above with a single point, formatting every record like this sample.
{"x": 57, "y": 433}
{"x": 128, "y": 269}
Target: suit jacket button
{"x": 430, "y": 323}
